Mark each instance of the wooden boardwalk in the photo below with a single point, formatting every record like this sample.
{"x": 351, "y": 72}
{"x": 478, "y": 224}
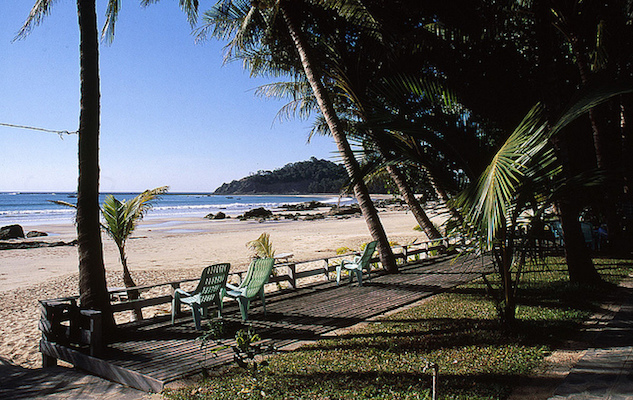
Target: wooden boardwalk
{"x": 149, "y": 356}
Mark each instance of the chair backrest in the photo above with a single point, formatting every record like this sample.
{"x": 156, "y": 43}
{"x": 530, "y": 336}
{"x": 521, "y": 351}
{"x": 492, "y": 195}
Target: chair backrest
{"x": 213, "y": 279}
{"x": 369, "y": 251}
{"x": 257, "y": 276}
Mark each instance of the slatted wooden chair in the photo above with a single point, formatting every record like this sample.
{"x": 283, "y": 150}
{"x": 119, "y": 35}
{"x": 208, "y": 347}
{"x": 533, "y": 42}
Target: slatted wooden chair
{"x": 208, "y": 292}
{"x": 252, "y": 286}
{"x": 357, "y": 266}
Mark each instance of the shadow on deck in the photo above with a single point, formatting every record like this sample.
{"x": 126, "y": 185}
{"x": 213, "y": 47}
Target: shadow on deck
{"x": 148, "y": 356}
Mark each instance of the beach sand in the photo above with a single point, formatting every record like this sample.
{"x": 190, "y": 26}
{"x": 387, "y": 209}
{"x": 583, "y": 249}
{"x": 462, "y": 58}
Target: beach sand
{"x": 162, "y": 250}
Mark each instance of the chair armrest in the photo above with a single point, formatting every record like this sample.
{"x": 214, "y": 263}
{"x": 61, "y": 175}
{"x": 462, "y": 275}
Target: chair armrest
{"x": 182, "y": 292}
{"x": 232, "y": 287}
{"x": 352, "y": 264}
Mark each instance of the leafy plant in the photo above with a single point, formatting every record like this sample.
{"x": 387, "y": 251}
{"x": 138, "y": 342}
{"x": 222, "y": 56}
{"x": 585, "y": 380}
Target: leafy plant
{"x": 343, "y": 250}
{"x": 216, "y": 331}
{"x": 262, "y": 247}
{"x": 246, "y": 349}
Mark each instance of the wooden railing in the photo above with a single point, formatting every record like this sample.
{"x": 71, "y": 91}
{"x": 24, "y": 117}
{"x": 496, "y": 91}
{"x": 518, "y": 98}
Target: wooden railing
{"x": 64, "y": 322}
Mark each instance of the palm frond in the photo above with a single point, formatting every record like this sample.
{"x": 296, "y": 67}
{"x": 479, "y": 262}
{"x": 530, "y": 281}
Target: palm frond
{"x": 590, "y": 97}
{"x": 112, "y": 14}
{"x": 117, "y": 222}
{"x": 40, "y": 10}
{"x": 121, "y": 217}
{"x": 262, "y": 247}
{"x": 488, "y": 202}
{"x": 355, "y": 12}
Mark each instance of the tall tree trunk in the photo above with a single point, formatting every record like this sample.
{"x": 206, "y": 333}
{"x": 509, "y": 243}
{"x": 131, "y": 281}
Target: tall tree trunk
{"x": 414, "y": 205}
{"x": 579, "y": 264}
{"x": 92, "y": 281}
{"x": 584, "y": 79}
{"x": 578, "y": 259}
{"x": 509, "y": 301}
{"x": 351, "y": 165}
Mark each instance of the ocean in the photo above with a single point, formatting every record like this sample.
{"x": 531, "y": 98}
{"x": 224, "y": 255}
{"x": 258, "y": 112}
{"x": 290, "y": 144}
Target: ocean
{"x": 30, "y": 209}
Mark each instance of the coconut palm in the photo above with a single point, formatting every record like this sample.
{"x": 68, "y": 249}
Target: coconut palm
{"x": 122, "y": 217}
{"x": 92, "y": 282}
{"x": 249, "y": 25}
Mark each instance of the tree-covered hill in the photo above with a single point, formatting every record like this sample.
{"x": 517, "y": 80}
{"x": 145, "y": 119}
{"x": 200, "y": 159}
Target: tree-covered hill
{"x": 313, "y": 176}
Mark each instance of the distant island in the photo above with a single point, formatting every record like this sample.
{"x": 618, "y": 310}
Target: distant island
{"x": 304, "y": 177}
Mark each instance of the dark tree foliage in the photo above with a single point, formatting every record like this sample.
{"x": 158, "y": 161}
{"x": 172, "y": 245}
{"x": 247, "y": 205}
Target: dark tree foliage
{"x": 313, "y": 176}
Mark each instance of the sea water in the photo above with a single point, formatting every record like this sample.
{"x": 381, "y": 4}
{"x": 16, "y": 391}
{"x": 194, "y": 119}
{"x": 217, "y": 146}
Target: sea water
{"x": 30, "y": 209}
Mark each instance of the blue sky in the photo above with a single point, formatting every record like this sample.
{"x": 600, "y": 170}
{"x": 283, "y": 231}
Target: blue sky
{"x": 172, "y": 113}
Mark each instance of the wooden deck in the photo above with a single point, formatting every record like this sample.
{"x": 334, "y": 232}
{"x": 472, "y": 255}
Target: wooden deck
{"x": 151, "y": 355}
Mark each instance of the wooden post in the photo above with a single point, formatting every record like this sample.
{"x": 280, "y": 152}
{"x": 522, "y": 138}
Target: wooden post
{"x": 94, "y": 331}
{"x": 327, "y": 269}
{"x": 174, "y": 286}
{"x": 292, "y": 275}
{"x": 46, "y": 327}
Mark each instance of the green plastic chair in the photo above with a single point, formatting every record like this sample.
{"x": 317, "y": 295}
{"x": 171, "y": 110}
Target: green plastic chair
{"x": 208, "y": 292}
{"x": 358, "y": 265}
{"x": 252, "y": 286}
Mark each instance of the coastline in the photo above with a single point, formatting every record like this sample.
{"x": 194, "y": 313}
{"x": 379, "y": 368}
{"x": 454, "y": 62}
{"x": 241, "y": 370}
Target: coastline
{"x": 162, "y": 250}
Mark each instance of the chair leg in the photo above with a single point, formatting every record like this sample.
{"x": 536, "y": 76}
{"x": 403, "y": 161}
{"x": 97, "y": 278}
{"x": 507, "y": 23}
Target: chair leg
{"x": 244, "y": 304}
{"x": 338, "y": 274}
{"x": 359, "y": 275}
{"x": 261, "y": 294}
{"x": 175, "y": 305}
{"x": 195, "y": 310}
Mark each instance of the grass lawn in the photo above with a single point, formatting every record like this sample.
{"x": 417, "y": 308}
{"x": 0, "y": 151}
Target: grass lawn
{"x": 477, "y": 357}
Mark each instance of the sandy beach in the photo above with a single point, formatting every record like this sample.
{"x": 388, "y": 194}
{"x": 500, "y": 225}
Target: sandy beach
{"x": 162, "y": 250}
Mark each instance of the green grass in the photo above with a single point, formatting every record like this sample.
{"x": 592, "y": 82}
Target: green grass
{"x": 478, "y": 358}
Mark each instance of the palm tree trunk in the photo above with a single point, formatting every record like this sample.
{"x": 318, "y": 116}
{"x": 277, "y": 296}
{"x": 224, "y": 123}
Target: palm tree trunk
{"x": 443, "y": 196}
{"x": 351, "y": 165}
{"x": 579, "y": 263}
{"x": 509, "y": 301}
{"x": 414, "y": 205}
{"x": 92, "y": 281}
{"x": 129, "y": 282}
{"x": 584, "y": 79}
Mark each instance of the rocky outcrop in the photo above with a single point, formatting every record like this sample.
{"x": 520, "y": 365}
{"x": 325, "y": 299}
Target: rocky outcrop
{"x": 219, "y": 215}
{"x": 345, "y": 210}
{"x": 310, "y": 205}
{"x": 33, "y": 245}
{"x": 260, "y": 212}
{"x": 11, "y": 232}
{"x": 33, "y": 234}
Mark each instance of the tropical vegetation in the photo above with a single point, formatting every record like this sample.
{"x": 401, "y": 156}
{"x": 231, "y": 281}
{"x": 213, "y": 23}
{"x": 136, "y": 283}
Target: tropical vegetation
{"x": 489, "y": 99}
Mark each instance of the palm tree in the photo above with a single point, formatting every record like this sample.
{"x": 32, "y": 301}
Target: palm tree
{"x": 121, "y": 218}
{"x": 262, "y": 247}
{"x": 525, "y": 173}
{"x": 92, "y": 282}
{"x": 222, "y": 21}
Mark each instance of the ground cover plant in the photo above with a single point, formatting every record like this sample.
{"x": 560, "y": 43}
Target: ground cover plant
{"x": 478, "y": 357}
